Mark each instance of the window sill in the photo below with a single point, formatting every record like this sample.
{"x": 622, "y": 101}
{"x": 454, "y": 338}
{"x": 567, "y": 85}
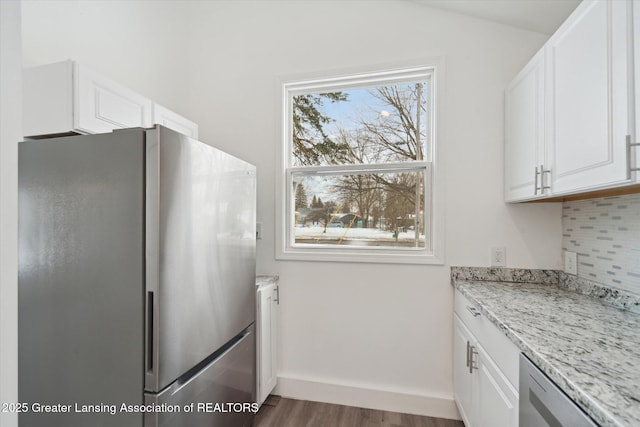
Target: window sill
{"x": 421, "y": 257}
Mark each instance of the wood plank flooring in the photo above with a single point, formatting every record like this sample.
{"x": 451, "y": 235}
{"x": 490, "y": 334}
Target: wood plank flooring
{"x": 302, "y": 413}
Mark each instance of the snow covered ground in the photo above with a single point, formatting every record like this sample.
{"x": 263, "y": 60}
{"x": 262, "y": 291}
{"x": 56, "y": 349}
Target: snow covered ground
{"x": 358, "y": 236}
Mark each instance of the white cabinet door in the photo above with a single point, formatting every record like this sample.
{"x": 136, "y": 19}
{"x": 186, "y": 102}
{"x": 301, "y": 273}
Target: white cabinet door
{"x": 635, "y": 119}
{"x": 267, "y": 368}
{"x": 495, "y": 399}
{"x": 462, "y": 377}
{"x": 103, "y": 105}
{"x": 524, "y": 132}
{"x": 587, "y": 84}
{"x": 165, "y": 117}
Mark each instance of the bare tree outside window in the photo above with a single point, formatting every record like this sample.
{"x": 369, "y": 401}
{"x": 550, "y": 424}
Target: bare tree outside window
{"x": 386, "y": 128}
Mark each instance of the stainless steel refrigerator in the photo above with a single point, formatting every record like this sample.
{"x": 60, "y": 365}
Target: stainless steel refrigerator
{"x": 136, "y": 282}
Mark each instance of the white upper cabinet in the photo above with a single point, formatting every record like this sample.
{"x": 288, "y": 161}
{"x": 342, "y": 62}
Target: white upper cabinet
{"x": 588, "y": 97}
{"x": 579, "y": 139}
{"x": 66, "y": 97}
{"x": 165, "y": 117}
{"x": 524, "y": 132}
{"x": 634, "y": 150}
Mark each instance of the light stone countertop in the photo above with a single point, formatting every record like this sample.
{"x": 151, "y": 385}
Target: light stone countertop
{"x": 589, "y": 349}
{"x": 266, "y": 279}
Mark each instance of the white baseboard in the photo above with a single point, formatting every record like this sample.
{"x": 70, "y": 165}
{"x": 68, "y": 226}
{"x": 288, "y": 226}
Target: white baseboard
{"x": 440, "y": 406}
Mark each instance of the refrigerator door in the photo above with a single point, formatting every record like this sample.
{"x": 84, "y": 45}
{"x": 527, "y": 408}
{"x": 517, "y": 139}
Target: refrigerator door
{"x": 221, "y": 393}
{"x": 81, "y": 276}
{"x": 200, "y": 271}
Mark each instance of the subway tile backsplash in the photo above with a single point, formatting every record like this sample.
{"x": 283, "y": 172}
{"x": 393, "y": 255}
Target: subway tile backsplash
{"x": 605, "y": 233}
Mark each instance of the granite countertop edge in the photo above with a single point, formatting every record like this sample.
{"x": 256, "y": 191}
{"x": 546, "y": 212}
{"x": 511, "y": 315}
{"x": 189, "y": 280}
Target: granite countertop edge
{"x": 266, "y": 279}
{"x": 592, "y": 357}
{"x": 588, "y": 404}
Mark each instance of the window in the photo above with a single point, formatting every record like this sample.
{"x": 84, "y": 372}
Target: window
{"x": 358, "y": 171}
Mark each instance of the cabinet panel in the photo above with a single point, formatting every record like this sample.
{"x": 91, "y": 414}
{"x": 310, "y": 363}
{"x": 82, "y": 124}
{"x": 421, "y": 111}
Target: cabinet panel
{"x": 462, "y": 378}
{"x": 165, "y": 117}
{"x": 497, "y": 400}
{"x": 587, "y": 98}
{"x": 266, "y": 340}
{"x": 68, "y": 98}
{"x": 524, "y": 131}
{"x": 504, "y": 352}
{"x": 635, "y": 119}
{"x": 47, "y": 99}
{"x": 103, "y": 105}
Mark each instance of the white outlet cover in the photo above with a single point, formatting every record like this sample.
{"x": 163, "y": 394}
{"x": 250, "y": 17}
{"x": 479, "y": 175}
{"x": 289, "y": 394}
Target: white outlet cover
{"x": 498, "y": 256}
{"x": 570, "y": 262}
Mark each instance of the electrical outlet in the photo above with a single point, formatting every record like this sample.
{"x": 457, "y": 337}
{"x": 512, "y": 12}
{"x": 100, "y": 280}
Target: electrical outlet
{"x": 258, "y": 230}
{"x": 498, "y": 256}
{"x": 570, "y": 262}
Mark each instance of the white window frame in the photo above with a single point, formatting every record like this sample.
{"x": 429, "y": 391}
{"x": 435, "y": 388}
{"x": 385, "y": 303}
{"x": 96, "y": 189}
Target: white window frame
{"x": 290, "y": 86}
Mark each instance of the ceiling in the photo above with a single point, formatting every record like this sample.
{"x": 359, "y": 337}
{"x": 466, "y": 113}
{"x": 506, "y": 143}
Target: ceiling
{"x": 542, "y": 16}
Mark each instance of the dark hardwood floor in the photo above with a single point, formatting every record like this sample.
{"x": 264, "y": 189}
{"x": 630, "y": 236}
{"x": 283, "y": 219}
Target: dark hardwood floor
{"x": 280, "y": 412}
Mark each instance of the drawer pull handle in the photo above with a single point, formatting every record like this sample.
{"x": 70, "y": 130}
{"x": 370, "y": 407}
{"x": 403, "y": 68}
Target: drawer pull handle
{"x": 472, "y": 362}
{"x": 468, "y": 352}
{"x": 474, "y": 311}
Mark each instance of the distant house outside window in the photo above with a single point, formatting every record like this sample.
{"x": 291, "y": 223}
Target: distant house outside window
{"x": 358, "y": 167}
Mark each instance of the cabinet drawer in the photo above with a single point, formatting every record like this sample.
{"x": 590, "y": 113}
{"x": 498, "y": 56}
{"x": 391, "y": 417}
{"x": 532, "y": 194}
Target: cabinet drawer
{"x": 495, "y": 343}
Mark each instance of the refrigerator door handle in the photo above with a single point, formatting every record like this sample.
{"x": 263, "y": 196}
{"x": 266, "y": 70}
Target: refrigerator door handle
{"x": 151, "y": 343}
{"x": 149, "y": 334}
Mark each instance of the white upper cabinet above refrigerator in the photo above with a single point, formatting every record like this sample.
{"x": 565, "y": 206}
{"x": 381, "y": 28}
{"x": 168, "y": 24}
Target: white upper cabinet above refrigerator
{"x": 167, "y": 118}
{"x": 68, "y": 98}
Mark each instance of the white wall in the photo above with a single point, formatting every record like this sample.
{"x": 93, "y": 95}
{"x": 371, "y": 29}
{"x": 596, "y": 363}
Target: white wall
{"x": 363, "y": 326}
{"x": 140, "y": 44}
{"x": 10, "y": 134}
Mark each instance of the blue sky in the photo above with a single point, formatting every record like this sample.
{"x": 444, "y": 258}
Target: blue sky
{"x": 359, "y": 101}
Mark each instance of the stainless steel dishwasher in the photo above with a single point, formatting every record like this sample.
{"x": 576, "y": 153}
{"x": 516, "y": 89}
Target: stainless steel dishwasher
{"x": 543, "y": 404}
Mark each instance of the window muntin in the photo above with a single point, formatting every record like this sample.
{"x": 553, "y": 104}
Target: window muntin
{"x": 370, "y": 143}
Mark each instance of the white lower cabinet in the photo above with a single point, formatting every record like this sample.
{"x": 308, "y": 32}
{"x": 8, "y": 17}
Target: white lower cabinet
{"x": 462, "y": 377}
{"x": 266, "y": 336}
{"x": 495, "y": 400}
{"x": 485, "y": 392}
